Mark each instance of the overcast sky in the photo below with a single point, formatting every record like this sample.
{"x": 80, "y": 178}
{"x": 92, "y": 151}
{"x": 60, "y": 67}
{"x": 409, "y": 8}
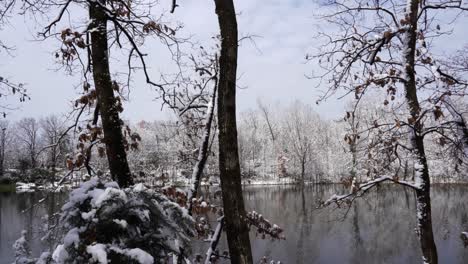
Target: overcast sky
{"x": 272, "y": 71}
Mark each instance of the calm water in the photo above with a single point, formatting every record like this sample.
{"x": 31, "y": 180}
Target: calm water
{"x": 377, "y": 229}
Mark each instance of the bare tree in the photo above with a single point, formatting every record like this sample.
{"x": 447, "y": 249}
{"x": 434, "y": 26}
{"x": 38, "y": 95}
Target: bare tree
{"x": 56, "y": 142}
{"x": 393, "y": 54}
{"x": 28, "y": 134}
{"x": 203, "y": 151}
{"x": 301, "y": 123}
{"x": 458, "y": 64}
{"x": 267, "y": 115}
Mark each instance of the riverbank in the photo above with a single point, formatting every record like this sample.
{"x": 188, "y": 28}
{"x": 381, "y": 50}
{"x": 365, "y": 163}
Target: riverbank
{"x": 21, "y": 187}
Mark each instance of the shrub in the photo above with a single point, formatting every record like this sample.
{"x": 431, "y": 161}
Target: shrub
{"x": 6, "y": 180}
{"x": 134, "y": 225}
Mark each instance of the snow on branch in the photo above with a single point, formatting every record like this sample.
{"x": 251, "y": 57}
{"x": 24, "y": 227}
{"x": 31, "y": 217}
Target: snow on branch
{"x": 358, "y": 190}
{"x": 464, "y": 238}
{"x": 202, "y": 151}
{"x": 263, "y": 226}
{"x": 214, "y": 240}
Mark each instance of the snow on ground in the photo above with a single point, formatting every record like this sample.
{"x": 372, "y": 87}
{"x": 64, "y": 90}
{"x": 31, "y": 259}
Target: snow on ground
{"x": 182, "y": 181}
{"x": 269, "y": 181}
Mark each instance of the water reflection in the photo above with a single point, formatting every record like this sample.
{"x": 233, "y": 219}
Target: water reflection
{"x": 377, "y": 229}
{"x": 22, "y": 211}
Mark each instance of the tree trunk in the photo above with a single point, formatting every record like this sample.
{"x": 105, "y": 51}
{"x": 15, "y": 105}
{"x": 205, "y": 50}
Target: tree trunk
{"x": 423, "y": 198}
{"x": 353, "y": 149}
{"x": 111, "y": 123}
{"x": 33, "y": 158}
{"x": 353, "y": 145}
{"x": 236, "y": 226}
{"x": 2, "y": 151}
{"x": 405, "y": 173}
{"x": 303, "y": 163}
{"x": 202, "y": 152}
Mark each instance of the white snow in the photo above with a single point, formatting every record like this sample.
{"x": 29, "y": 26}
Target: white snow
{"x": 140, "y": 255}
{"x": 109, "y": 194}
{"x": 139, "y": 187}
{"x": 418, "y": 171}
{"x": 25, "y": 187}
{"x": 121, "y": 223}
{"x": 213, "y": 239}
{"x": 44, "y": 258}
{"x": 465, "y": 235}
{"x": 60, "y": 254}
{"x": 98, "y": 253}
{"x": 72, "y": 237}
{"x": 137, "y": 254}
{"x": 334, "y": 198}
{"x": 88, "y": 215}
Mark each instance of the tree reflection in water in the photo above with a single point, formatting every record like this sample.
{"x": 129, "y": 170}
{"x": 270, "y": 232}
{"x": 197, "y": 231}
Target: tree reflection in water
{"x": 379, "y": 228}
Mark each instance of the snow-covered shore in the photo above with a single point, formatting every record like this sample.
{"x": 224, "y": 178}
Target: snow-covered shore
{"x": 183, "y": 182}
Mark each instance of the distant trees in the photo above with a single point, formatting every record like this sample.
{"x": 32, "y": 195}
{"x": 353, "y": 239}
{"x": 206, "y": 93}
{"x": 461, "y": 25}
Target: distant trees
{"x": 56, "y": 142}
{"x": 306, "y": 147}
{"x": 252, "y": 145}
{"x": 29, "y": 143}
{"x": 302, "y": 125}
{"x": 169, "y": 147}
{"x": 28, "y": 135}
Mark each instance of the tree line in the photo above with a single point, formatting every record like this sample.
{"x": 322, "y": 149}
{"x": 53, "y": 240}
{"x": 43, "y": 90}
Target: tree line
{"x": 288, "y": 141}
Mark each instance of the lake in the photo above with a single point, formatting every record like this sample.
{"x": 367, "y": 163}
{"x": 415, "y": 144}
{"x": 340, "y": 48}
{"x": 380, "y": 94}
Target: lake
{"x": 378, "y": 228}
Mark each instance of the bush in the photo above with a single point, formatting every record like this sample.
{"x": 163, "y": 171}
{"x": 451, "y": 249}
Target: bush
{"x": 40, "y": 175}
{"x": 135, "y": 225}
{"x": 6, "y": 180}
{"x": 23, "y": 165}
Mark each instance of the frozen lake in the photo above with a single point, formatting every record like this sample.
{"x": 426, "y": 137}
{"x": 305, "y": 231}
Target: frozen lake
{"x": 378, "y": 228}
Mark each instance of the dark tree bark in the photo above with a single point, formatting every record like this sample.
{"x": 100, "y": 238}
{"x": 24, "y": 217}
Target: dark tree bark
{"x": 353, "y": 141}
{"x": 229, "y": 168}
{"x": 303, "y": 164}
{"x": 423, "y": 198}
{"x": 2, "y": 150}
{"x": 111, "y": 123}
{"x": 89, "y": 150}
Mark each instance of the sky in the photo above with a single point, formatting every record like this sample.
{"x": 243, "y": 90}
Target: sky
{"x": 273, "y": 69}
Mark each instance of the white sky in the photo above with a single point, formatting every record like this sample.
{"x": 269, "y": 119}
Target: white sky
{"x": 273, "y": 71}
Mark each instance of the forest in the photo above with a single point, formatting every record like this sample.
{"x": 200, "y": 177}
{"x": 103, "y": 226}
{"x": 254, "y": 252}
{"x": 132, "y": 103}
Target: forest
{"x": 368, "y": 165}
